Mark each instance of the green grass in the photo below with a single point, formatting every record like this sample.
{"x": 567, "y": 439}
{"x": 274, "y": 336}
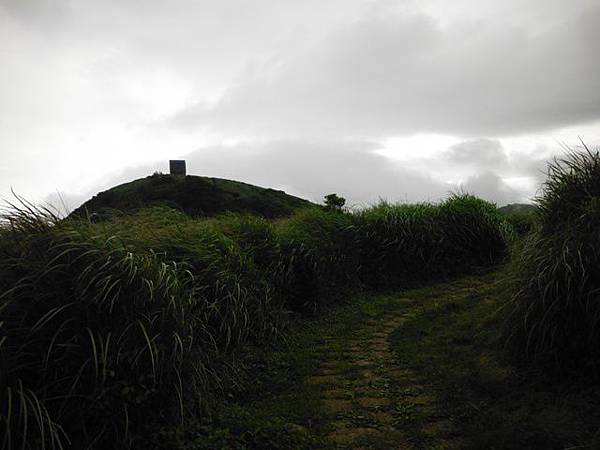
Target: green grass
{"x": 153, "y": 329}
{"x": 449, "y": 345}
{"x": 522, "y": 222}
{"x": 96, "y": 340}
{"x": 408, "y": 244}
{"x": 113, "y": 329}
{"x": 452, "y": 344}
{"x": 555, "y": 314}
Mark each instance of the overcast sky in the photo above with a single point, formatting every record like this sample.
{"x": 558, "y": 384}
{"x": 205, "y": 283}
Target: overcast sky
{"x": 402, "y": 100}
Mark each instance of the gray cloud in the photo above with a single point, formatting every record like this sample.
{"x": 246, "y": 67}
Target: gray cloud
{"x": 304, "y": 168}
{"x": 490, "y": 186}
{"x": 315, "y": 168}
{"x": 478, "y": 152}
{"x": 488, "y": 170}
{"x": 391, "y": 74}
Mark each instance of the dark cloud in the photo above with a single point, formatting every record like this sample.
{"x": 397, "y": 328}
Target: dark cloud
{"x": 394, "y": 74}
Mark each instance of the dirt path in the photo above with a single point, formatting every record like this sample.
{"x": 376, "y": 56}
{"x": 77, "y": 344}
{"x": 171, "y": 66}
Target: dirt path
{"x": 370, "y": 399}
{"x": 418, "y": 369}
{"x": 406, "y": 370}
{"x": 355, "y": 393}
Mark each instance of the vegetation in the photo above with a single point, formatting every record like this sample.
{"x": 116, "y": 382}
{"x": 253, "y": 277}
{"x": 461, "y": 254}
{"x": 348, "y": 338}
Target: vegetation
{"x": 522, "y": 217}
{"x": 522, "y": 222}
{"x": 161, "y": 326}
{"x": 110, "y": 328}
{"x": 409, "y": 369}
{"x": 407, "y": 244}
{"x": 556, "y": 312}
{"x": 193, "y": 195}
{"x": 516, "y": 208}
{"x": 334, "y": 202}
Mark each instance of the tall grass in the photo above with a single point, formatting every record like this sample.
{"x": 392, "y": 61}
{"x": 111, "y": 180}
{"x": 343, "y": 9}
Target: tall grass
{"x": 407, "y": 244}
{"x": 522, "y": 222}
{"x": 234, "y": 261}
{"x": 318, "y": 252}
{"x": 90, "y": 330}
{"x": 555, "y": 316}
{"x": 109, "y": 328}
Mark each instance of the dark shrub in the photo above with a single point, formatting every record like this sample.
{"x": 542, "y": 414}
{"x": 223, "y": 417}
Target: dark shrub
{"x": 397, "y": 243}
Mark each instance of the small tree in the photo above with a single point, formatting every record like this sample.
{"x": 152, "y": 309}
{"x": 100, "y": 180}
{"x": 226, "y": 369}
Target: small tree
{"x": 334, "y": 202}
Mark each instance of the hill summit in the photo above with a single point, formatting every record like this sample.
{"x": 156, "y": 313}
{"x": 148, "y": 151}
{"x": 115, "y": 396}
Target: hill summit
{"x": 517, "y": 208}
{"x": 194, "y": 195}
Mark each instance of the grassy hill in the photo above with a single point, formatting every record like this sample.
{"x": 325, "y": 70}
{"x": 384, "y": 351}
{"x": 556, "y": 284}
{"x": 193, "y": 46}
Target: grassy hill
{"x": 196, "y": 196}
{"x": 517, "y": 208}
{"x": 155, "y": 329}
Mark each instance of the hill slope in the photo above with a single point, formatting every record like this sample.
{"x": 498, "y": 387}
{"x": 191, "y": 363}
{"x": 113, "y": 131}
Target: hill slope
{"x": 194, "y": 195}
{"x": 517, "y": 207}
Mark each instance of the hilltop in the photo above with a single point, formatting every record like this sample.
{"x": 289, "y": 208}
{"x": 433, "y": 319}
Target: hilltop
{"x": 195, "y": 195}
{"x": 517, "y": 207}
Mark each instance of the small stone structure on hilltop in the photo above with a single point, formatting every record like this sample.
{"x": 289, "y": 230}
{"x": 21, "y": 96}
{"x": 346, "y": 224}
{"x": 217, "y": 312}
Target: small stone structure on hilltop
{"x": 177, "y": 167}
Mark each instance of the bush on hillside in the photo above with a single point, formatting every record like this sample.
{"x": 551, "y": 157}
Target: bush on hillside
{"x": 234, "y": 260}
{"x": 396, "y": 243}
{"x": 555, "y": 317}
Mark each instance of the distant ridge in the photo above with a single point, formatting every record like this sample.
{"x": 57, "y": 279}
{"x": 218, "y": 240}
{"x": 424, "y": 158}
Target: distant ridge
{"x": 194, "y": 195}
{"x": 517, "y": 207}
